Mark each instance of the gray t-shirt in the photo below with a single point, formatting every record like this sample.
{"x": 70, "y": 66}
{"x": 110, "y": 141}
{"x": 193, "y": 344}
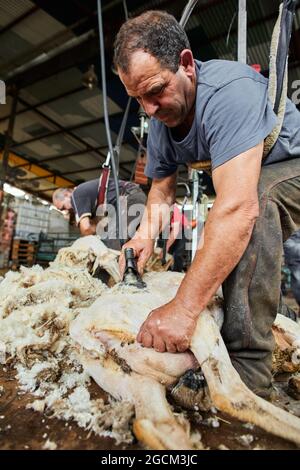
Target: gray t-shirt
{"x": 84, "y": 197}
{"x": 232, "y": 115}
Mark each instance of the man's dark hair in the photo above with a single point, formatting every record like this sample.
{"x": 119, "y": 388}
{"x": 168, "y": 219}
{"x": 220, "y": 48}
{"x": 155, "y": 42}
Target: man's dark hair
{"x": 155, "y": 32}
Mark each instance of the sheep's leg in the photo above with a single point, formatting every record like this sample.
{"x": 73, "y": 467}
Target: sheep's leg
{"x": 155, "y": 424}
{"x": 290, "y": 331}
{"x": 228, "y": 392}
{"x": 165, "y": 368}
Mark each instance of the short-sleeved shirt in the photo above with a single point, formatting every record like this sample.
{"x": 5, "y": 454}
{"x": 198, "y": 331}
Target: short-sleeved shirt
{"x": 84, "y": 197}
{"x": 232, "y": 114}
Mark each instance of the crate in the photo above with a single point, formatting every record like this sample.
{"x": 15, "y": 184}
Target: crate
{"x": 49, "y": 245}
{"x": 23, "y": 253}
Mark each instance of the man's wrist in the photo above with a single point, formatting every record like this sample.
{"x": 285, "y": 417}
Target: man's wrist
{"x": 193, "y": 310}
{"x": 143, "y": 234}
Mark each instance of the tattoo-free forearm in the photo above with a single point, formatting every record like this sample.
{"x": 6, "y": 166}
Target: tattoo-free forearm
{"x": 226, "y": 237}
{"x": 157, "y": 213}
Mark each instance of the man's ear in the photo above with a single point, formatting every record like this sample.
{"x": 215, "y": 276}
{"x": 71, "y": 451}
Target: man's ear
{"x": 187, "y": 61}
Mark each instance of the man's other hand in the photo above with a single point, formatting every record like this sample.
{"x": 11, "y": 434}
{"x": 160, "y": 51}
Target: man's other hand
{"x": 168, "y": 328}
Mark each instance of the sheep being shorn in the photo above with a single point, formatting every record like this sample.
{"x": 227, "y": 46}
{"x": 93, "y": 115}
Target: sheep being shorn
{"x": 39, "y": 307}
{"x": 106, "y": 335}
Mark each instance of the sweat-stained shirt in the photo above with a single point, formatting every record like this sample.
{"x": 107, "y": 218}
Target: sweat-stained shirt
{"x": 232, "y": 115}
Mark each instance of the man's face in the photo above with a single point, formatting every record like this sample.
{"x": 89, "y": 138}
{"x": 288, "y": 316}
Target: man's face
{"x": 65, "y": 204}
{"x": 164, "y": 95}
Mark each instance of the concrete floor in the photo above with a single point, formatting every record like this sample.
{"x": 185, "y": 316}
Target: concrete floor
{"x": 26, "y": 429}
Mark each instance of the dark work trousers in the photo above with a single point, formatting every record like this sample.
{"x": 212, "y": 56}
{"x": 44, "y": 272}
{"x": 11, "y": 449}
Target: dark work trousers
{"x": 252, "y": 290}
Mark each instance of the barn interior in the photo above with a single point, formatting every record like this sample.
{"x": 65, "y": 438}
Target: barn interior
{"x": 65, "y": 116}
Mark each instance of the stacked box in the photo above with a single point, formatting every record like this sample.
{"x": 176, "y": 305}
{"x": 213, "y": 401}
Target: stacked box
{"x": 31, "y": 221}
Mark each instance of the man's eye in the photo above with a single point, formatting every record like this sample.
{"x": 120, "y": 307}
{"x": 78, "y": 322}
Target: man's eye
{"x": 157, "y": 91}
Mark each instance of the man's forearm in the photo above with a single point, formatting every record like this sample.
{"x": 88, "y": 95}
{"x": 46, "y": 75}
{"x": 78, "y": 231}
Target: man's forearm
{"x": 157, "y": 213}
{"x": 226, "y": 238}
{"x": 87, "y": 227}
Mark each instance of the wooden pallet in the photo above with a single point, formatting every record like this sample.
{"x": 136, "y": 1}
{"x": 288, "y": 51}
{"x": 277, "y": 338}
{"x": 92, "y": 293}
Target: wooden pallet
{"x": 23, "y": 253}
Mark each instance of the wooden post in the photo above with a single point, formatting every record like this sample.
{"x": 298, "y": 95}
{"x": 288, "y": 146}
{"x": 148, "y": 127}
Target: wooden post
{"x": 7, "y": 143}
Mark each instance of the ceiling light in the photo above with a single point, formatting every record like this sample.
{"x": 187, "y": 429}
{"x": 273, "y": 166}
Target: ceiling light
{"x": 13, "y": 191}
{"x": 89, "y": 78}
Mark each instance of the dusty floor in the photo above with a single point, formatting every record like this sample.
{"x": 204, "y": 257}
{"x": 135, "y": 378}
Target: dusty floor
{"x": 26, "y": 429}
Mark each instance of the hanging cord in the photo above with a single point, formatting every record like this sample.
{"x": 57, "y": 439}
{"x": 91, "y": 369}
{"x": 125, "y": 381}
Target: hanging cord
{"x": 229, "y": 29}
{"x": 111, "y": 155}
{"x": 187, "y": 12}
{"x": 118, "y": 144}
{"x": 120, "y": 136}
{"x": 125, "y": 9}
{"x": 288, "y": 11}
{"x": 278, "y": 77}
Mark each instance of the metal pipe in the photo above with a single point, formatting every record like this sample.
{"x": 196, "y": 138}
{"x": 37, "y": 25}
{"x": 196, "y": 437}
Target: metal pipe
{"x": 187, "y": 12}
{"x": 242, "y": 32}
{"x": 119, "y": 231}
{"x": 52, "y": 53}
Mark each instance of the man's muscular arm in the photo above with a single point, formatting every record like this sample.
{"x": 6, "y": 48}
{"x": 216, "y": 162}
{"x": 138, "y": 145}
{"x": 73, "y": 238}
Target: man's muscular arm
{"x": 227, "y": 233}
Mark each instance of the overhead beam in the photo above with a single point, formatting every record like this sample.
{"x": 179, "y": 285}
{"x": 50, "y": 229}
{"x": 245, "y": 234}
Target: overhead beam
{"x": 70, "y": 154}
{"x": 68, "y": 173}
{"x": 73, "y": 172}
{"x": 83, "y": 52}
{"x": 27, "y": 58}
{"x": 15, "y": 161}
{"x": 40, "y": 191}
{"x": 61, "y": 130}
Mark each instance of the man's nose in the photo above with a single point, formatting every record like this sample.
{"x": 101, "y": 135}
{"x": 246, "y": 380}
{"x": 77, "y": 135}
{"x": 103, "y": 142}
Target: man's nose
{"x": 150, "y": 107}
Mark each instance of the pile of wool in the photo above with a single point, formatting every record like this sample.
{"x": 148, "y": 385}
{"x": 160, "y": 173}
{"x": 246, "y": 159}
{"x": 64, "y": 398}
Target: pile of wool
{"x": 36, "y": 308}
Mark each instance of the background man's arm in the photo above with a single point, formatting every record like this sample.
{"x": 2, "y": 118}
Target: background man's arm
{"x": 87, "y": 226}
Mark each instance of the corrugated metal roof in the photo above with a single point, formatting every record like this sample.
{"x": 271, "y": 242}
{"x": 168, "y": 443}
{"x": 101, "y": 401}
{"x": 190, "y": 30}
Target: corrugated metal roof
{"x": 50, "y": 146}
{"x": 53, "y": 86}
{"x": 11, "y": 47}
{"x": 79, "y": 107}
{"x": 12, "y": 9}
{"x": 39, "y": 27}
{"x": 94, "y": 134}
{"x": 211, "y": 24}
